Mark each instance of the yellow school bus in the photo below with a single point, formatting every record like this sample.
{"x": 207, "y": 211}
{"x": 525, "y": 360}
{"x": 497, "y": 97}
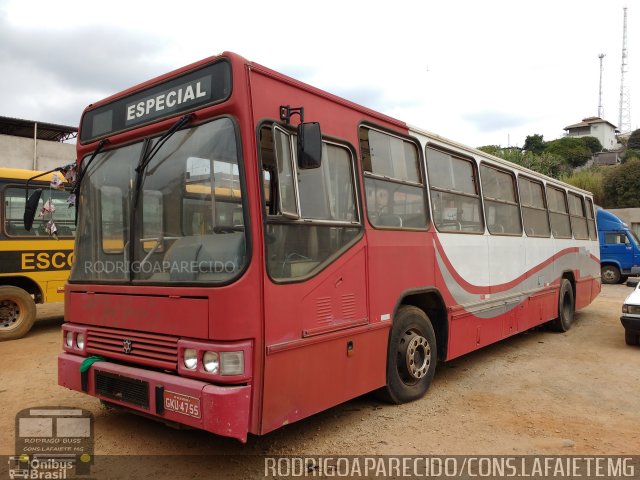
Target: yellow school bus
{"x": 34, "y": 266}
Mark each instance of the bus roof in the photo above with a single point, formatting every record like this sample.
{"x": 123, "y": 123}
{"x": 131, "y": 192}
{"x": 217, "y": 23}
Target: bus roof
{"x": 22, "y": 174}
{"x": 498, "y": 160}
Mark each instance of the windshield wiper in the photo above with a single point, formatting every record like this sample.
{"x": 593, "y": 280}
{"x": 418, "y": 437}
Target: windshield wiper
{"x": 144, "y": 161}
{"x": 81, "y": 172}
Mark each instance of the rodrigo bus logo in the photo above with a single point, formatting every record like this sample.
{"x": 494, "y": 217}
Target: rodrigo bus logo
{"x": 52, "y": 443}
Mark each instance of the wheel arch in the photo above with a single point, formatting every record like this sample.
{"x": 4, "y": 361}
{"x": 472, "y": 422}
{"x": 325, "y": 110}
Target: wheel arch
{"x": 25, "y": 283}
{"x": 569, "y": 275}
{"x": 430, "y": 301}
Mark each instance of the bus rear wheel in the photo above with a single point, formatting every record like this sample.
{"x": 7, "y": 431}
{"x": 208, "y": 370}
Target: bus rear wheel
{"x": 17, "y": 313}
{"x": 412, "y": 356}
{"x": 566, "y": 308}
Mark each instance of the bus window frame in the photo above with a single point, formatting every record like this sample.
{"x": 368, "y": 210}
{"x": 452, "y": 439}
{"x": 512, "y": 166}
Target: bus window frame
{"x": 476, "y": 181}
{"x": 422, "y": 171}
{"x": 32, "y": 185}
{"x": 544, "y": 201}
{"x": 591, "y": 220}
{"x": 566, "y": 212}
{"x": 572, "y": 216}
{"x": 516, "y": 193}
{"x": 281, "y": 219}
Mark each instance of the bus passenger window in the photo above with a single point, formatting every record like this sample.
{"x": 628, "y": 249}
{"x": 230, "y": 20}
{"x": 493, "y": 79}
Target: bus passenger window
{"x": 591, "y": 223}
{"x": 500, "y": 201}
{"x": 395, "y": 193}
{"x": 534, "y": 208}
{"x": 578, "y": 217}
{"x": 558, "y": 213}
{"x": 316, "y": 217}
{"x": 455, "y": 197}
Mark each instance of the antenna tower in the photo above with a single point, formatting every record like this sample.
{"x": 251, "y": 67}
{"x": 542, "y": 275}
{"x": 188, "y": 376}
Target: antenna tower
{"x": 600, "y": 108}
{"x": 624, "y": 117}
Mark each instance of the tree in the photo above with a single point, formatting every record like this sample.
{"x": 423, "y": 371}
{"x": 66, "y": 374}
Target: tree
{"x": 621, "y": 186}
{"x": 545, "y": 163}
{"x": 491, "y": 149}
{"x": 591, "y": 179}
{"x": 634, "y": 140}
{"x": 630, "y": 154}
{"x": 572, "y": 149}
{"x": 592, "y": 143}
{"x": 534, "y": 143}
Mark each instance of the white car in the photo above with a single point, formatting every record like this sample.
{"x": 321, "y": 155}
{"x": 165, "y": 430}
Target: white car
{"x": 631, "y": 317}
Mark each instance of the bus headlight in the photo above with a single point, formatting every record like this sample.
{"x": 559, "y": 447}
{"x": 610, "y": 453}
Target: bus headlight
{"x": 68, "y": 339}
{"x": 211, "y": 362}
{"x": 232, "y": 363}
{"x": 190, "y": 358}
{"x": 80, "y": 341}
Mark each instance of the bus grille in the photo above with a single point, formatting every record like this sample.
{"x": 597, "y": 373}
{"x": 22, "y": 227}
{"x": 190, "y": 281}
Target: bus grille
{"x": 123, "y": 389}
{"x": 134, "y": 347}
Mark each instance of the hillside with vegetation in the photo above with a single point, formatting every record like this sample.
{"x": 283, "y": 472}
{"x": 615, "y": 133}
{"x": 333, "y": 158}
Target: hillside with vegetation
{"x": 614, "y": 186}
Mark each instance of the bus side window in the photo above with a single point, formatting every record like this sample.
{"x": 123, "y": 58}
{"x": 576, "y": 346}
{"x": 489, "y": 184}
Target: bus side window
{"x": 455, "y": 197}
{"x": 394, "y": 186}
{"x": 311, "y": 213}
{"x": 534, "y": 208}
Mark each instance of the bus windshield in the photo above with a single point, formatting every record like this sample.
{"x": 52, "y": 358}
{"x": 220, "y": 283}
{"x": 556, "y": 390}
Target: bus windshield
{"x": 188, "y": 222}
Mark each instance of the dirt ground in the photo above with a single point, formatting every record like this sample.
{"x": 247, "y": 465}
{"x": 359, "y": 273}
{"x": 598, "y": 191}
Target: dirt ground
{"x": 536, "y": 393}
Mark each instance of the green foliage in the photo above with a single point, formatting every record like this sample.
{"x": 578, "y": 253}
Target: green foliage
{"x": 634, "y": 140}
{"x": 534, "y": 143}
{"x": 591, "y": 179}
{"x": 592, "y": 143}
{"x": 622, "y": 186}
{"x": 544, "y": 163}
{"x": 630, "y": 155}
{"x": 491, "y": 149}
{"x": 571, "y": 149}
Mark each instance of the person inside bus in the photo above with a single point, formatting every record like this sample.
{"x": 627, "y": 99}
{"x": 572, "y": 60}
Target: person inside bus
{"x": 382, "y": 213}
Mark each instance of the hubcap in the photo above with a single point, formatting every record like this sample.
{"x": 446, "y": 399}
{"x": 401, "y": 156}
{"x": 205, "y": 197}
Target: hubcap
{"x": 414, "y": 357}
{"x": 9, "y": 313}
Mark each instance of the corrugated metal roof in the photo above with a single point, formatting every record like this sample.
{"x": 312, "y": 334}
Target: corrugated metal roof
{"x": 45, "y": 131}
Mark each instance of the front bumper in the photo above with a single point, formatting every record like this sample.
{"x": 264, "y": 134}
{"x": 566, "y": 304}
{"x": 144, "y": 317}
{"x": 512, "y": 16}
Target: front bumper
{"x": 631, "y": 324}
{"x": 223, "y": 410}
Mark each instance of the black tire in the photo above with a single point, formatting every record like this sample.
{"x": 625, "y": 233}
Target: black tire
{"x": 631, "y": 338}
{"x": 17, "y": 313}
{"x": 610, "y": 274}
{"x": 411, "y": 357}
{"x": 623, "y": 278}
{"x": 566, "y": 308}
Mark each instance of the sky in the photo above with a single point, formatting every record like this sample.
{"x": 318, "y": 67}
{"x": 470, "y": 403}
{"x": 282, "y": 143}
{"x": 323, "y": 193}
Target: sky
{"x": 485, "y": 72}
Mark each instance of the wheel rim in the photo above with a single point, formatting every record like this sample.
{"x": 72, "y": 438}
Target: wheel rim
{"x": 609, "y": 274}
{"x": 414, "y": 357}
{"x": 10, "y": 314}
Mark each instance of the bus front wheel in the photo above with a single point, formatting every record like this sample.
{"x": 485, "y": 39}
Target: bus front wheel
{"x": 17, "y": 313}
{"x": 412, "y": 356}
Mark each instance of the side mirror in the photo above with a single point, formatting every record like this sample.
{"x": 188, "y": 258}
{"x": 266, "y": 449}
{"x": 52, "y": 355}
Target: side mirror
{"x": 309, "y": 146}
{"x": 30, "y": 208}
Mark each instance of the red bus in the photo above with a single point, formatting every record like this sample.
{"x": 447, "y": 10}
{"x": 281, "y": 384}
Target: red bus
{"x": 252, "y": 250}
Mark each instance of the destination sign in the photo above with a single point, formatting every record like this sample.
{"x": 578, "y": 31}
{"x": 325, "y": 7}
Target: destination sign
{"x": 202, "y": 87}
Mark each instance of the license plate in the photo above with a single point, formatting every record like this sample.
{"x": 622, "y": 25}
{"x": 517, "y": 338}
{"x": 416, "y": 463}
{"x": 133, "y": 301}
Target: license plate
{"x": 183, "y": 404}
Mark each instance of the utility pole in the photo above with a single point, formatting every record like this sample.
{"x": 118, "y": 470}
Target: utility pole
{"x": 600, "y": 108}
{"x": 624, "y": 117}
